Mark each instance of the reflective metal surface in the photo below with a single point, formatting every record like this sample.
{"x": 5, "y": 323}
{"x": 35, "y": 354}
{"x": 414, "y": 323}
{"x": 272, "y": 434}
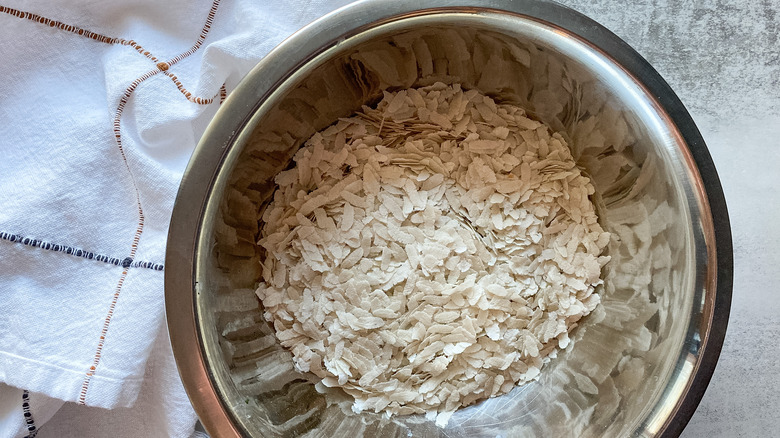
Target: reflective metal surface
{"x": 640, "y": 363}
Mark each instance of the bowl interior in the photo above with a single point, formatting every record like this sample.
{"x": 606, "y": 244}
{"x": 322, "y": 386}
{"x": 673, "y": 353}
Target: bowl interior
{"x": 631, "y": 359}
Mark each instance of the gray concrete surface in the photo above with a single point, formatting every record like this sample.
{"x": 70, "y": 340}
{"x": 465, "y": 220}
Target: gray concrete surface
{"x": 722, "y": 58}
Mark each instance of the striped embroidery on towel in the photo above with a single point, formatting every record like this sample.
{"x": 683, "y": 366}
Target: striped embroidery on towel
{"x": 126, "y": 262}
{"x": 77, "y": 30}
{"x": 161, "y": 67}
{"x": 28, "y": 418}
{"x": 195, "y": 99}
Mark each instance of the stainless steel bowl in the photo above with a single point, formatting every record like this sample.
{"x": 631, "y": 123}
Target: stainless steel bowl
{"x": 640, "y": 363}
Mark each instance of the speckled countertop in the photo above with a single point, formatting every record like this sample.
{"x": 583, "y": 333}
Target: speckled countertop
{"x": 722, "y": 58}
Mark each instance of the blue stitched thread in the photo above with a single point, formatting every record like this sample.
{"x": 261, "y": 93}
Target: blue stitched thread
{"x": 127, "y": 262}
{"x": 28, "y": 419}
{"x": 148, "y": 265}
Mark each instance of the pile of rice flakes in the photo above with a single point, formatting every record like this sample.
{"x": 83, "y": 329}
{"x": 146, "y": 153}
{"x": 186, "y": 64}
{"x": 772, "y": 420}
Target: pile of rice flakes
{"x": 430, "y": 252}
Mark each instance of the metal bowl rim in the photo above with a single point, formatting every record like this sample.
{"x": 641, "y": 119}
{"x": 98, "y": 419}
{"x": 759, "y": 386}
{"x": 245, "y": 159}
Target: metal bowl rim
{"x": 207, "y": 159}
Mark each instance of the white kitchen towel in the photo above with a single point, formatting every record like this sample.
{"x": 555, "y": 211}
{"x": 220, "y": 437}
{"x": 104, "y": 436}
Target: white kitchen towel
{"x": 101, "y": 104}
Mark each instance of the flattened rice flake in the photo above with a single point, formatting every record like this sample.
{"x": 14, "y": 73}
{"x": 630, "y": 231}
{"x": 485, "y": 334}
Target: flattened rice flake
{"x": 430, "y": 252}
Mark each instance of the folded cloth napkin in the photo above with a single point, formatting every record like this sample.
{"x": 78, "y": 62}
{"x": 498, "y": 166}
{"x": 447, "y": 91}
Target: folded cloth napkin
{"x": 101, "y": 104}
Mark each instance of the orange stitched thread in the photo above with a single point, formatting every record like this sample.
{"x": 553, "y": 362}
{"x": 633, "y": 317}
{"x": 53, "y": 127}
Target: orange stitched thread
{"x": 118, "y": 135}
{"x": 162, "y": 66}
{"x": 202, "y": 37}
{"x": 187, "y": 94}
{"x": 222, "y": 94}
{"x": 139, "y": 230}
{"x": 77, "y": 30}
{"x": 83, "y": 393}
{"x": 138, "y": 48}
{"x": 136, "y": 238}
